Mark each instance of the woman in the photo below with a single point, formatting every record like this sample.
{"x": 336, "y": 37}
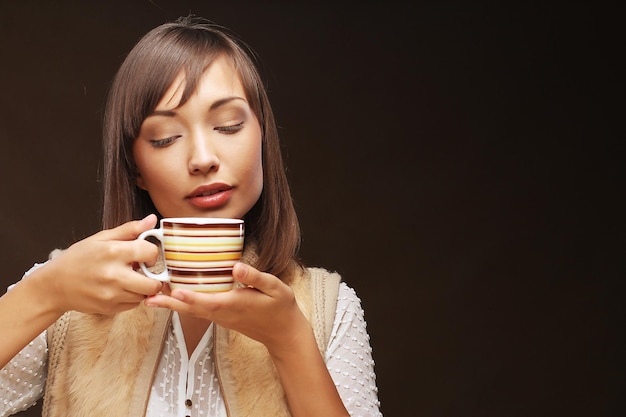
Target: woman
{"x": 188, "y": 132}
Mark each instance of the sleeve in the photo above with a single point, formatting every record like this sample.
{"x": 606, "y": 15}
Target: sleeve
{"x": 349, "y": 357}
{"x": 22, "y": 380}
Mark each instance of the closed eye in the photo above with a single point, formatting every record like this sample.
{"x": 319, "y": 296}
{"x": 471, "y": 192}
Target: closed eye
{"x": 229, "y": 130}
{"x": 161, "y": 143}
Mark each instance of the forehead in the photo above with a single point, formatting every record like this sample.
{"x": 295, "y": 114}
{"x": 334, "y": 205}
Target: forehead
{"x": 219, "y": 79}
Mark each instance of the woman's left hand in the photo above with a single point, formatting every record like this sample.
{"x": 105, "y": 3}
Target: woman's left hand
{"x": 264, "y": 310}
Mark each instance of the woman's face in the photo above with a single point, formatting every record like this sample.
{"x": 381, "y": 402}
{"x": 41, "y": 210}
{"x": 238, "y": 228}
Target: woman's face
{"x": 202, "y": 159}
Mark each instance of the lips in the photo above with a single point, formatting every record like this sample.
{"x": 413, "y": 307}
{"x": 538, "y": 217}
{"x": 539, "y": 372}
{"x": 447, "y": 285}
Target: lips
{"x": 210, "y": 189}
{"x": 211, "y": 195}
{"x": 205, "y": 193}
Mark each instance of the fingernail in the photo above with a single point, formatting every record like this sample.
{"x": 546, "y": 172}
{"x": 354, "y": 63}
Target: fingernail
{"x": 149, "y": 216}
{"x": 178, "y": 295}
{"x": 242, "y": 269}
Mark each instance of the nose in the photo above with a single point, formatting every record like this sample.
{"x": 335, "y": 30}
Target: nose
{"x": 203, "y": 157}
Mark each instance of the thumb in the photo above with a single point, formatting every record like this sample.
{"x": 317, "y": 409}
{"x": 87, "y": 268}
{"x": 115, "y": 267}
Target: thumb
{"x": 247, "y": 275}
{"x": 129, "y": 230}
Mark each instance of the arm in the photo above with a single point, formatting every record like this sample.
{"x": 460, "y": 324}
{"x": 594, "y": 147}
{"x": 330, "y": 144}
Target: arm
{"x": 309, "y": 388}
{"x": 23, "y": 316}
{"x": 94, "y": 275}
{"x": 349, "y": 356}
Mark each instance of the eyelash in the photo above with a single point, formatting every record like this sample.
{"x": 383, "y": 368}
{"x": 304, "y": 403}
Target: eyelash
{"x": 227, "y": 130}
{"x": 161, "y": 143}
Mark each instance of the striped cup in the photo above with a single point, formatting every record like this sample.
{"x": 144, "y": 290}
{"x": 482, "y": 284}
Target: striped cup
{"x": 199, "y": 252}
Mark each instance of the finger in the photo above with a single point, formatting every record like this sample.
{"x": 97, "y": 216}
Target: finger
{"x": 207, "y": 300}
{"x": 120, "y": 307}
{"x": 191, "y": 302}
{"x": 128, "y": 306}
{"x": 166, "y": 289}
{"x": 141, "y": 251}
{"x": 129, "y": 230}
{"x": 131, "y": 252}
{"x": 112, "y": 309}
{"x": 250, "y": 276}
{"x": 165, "y": 301}
{"x": 128, "y": 297}
{"x": 113, "y": 302}
{"x": 142, "y": 285}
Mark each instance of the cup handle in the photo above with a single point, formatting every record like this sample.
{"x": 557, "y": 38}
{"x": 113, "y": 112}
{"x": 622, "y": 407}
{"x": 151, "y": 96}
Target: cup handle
{"x": 157, "y": 233}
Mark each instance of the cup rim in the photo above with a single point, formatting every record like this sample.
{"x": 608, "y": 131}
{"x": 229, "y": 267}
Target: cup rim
{"x": 200, "y": 220}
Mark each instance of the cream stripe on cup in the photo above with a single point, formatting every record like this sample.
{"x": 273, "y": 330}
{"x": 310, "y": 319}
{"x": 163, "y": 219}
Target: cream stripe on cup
{"x": 199, "y": 253}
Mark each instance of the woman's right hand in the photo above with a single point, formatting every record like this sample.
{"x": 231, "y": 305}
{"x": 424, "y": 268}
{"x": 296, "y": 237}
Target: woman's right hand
{"x": 96, "y": 275}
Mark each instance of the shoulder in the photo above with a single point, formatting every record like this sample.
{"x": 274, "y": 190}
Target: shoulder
{"x": 324, "y": 283}
{"x": 348, "y": 300}
{"x": 317, "y": 273}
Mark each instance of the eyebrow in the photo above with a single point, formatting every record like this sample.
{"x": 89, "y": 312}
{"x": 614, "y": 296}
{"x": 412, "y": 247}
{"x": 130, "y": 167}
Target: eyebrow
{"x": 215, "y": 105}
{"x": 224, "y": 101}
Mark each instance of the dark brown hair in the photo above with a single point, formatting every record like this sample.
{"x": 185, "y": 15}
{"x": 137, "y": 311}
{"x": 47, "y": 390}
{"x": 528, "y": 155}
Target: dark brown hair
{"x": 190, "y": 44}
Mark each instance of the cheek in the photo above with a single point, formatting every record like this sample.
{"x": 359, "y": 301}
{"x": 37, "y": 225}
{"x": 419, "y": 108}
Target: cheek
{"x": 139, "y": 168}
{"x": 258, "y": 179}
{"x": 151, "y": 171}
{"x": 253, "y": 170}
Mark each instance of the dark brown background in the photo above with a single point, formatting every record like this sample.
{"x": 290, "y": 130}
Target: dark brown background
{"x": 456, "y": 163}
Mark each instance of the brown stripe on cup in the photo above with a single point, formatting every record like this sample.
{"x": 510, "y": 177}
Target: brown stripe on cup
{"x": 201, "y": 256}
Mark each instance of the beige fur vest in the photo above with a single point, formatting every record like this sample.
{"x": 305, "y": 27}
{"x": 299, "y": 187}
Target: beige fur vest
{"x": 104, "y": 365}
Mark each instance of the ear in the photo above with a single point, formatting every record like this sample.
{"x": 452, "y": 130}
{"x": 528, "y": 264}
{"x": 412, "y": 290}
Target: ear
{"x": 139, "y": 182}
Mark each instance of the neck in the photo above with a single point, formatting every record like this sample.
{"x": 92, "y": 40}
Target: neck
{"x": 193, "y": 330}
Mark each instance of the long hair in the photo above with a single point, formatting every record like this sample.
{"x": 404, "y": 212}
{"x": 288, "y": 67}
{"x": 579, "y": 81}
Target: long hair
{"x": 190, "y": 44}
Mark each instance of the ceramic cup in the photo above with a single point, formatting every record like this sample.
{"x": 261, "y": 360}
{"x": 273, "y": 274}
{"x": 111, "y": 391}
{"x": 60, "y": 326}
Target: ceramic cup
{"x": 199, "y": 252}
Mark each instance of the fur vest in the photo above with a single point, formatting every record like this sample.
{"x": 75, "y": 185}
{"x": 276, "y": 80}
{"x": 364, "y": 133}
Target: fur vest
{"x": 103, "y": 365}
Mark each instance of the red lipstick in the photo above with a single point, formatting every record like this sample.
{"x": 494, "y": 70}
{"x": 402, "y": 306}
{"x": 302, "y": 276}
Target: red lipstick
{"x": 210, "y": 196}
